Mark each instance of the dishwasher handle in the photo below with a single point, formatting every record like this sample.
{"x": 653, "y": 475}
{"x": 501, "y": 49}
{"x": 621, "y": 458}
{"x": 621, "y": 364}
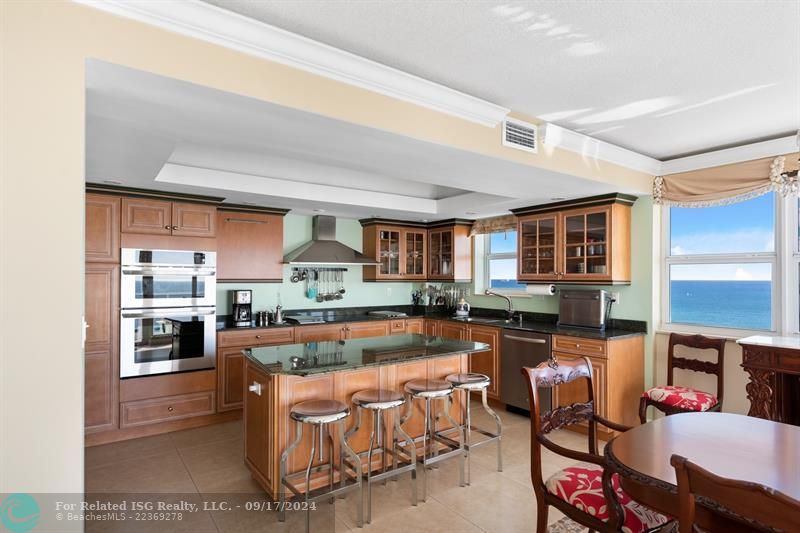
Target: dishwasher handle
{"x": 525, "y": 339}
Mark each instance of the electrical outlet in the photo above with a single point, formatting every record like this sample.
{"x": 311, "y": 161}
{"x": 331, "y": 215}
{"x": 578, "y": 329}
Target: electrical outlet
{"x": 388, "y": 291}
{"x": 615, "y": 296}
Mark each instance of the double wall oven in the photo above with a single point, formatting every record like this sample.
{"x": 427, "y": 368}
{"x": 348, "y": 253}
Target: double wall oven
{"x": 168, "y": 316}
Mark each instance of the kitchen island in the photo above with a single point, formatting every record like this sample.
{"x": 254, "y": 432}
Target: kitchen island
{"x": 278, "y": 377}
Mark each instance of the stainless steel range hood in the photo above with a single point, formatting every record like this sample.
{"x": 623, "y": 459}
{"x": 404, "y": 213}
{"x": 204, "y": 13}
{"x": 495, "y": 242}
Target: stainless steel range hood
{"x": 324, "y": 249}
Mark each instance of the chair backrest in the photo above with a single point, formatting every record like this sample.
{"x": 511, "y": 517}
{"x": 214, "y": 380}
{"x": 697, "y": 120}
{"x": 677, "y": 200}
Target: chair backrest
{"x": 701, "y": 343}
{"x": 552, "y": 374}
{"x": 763, "y": 507}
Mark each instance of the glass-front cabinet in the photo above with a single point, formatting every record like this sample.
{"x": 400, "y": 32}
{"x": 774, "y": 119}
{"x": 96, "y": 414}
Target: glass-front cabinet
{"x": 537, "y": 252}
{"x": 566, "y": 243}
{"x": 400, "y": 251}
{"x": 441, "y": 261}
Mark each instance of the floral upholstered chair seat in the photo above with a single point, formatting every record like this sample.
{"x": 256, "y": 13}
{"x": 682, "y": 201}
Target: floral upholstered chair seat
{"x": 682, "y": 398}
{"x": 581, "y": 486}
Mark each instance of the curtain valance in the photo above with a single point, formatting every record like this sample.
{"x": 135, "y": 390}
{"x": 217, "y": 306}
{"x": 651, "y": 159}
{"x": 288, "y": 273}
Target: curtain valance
{"x": 725, "y": 184}
{"x": 494, "y": 225}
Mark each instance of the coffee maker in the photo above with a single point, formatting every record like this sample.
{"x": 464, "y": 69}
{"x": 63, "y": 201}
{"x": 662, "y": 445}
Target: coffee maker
{"x": 242, "y": 307}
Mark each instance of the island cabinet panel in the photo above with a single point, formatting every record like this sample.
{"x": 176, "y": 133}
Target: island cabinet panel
{"x": 487, "y": 363}
{"x": 453, "y": 330}
{"x": 102, "y": 228}
{"x": 230, "y": 360}
{"x": 249, "y": 246}
{"x": 269, "y": 429}
{"x": 101, "y": 370}
{"x": 617, "y": 374}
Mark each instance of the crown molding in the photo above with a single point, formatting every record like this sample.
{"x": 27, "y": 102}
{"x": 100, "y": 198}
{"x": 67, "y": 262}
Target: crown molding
{"x": 231, "y": 30}
{"x": 728, "y": 156}
{"x": 565, "y": 139}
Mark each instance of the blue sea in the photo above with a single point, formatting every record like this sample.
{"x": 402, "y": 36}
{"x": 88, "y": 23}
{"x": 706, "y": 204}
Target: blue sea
{"x": 729, "y": 304}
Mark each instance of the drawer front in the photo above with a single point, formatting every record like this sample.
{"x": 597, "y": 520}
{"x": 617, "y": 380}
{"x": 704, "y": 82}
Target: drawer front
{"x": 579, "y": 346}
{"x": 255, "y": 337}
{"x": 143, "y": 412}
{"x": 398, "y": 327}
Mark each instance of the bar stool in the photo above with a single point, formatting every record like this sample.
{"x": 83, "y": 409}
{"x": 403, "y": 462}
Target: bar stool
{"x": 430, "y": 390}
{"x": 378, "y": 401}
{"x": 474, "y": 382}
{"x": 319, "y": 414}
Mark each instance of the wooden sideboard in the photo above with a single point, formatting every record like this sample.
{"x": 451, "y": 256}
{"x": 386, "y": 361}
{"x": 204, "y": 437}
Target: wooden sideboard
{"x": 773, "y": 365}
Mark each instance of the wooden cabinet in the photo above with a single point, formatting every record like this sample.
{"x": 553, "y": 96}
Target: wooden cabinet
{"x": 414, "y": 325}
{"x": 259, "y": 430}
{"x": 360, "y": 330}
{"x": 168, "y": 408}
{"x": 617, "y": 374}
{"x": 487, "y": 363}
{"x": 231, "y": 361}
{"x": 450, "y": 252}
{"x": 249, "y": 246}
{"x": 161, "y": 217}
{"x": 453, "y": 330}
{"x": 565, "y": 243}
{"x": 319, "y": 333}
{"x": 433, "y": 328}
{"x": 102, "y": 228}
{"x": 402, "y": 252}
{"x": 101, "y": 363}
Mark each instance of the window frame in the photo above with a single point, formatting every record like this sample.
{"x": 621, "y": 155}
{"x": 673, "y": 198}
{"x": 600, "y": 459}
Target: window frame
{"x": 488, "y": 256}
{"x": 781, "y": 275}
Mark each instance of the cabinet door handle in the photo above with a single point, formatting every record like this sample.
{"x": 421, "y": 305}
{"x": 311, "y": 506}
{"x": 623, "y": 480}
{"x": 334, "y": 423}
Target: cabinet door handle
{"x": 525, "y": 339}
{"x": 167, "y": 227}
{"x": 170, "y": 408}
{"x": 258, "y": 336}
{"x": 255, "y": 387}
{"x": 174, "y": 227}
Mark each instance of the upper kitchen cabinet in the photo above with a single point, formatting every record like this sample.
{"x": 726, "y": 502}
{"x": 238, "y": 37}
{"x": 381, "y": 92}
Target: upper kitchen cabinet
{"x": 162, "y": 217}
{"x": 401, "y": 250}
{"x": 250, "y": 245}
{"x": 102, "y": 228}
{"x": 577, "y": 241}
{"x": 450, "y": 251}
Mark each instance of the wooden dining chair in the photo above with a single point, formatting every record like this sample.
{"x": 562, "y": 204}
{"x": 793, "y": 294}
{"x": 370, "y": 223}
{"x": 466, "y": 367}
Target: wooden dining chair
{"x": 671, "y": 399}
{"x": 587, "y": 492}
{"x": 760, "y": 507}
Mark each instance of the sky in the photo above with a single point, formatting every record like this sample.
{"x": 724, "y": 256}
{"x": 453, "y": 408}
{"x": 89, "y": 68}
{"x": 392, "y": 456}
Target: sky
{"x": 747, "y": 226}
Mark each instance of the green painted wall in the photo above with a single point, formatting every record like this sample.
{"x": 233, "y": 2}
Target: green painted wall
{"x": 636, "y": 299}
{"x": 297, "y": 231}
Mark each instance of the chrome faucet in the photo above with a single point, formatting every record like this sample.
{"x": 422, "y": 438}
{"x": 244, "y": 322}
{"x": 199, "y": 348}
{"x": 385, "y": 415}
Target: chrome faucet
{"x": 510, "y": 310}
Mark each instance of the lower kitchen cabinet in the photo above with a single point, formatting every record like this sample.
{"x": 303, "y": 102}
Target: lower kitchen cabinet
{"x": 617, "y": 375}
{"x": 414, "y": 325}
{"x": 259, "y": 433}
{"x": 360, "y": 330}
{"x": 433, "y": 328}
{"x": 320, "y": 333}
{"x": 101, "y": 371}
{"x": 487, "y": 363}
{"x": 453, "y": 330}
{"x": 231, "y": 361}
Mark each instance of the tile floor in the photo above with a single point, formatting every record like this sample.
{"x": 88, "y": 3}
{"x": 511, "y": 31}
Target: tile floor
{"x": 207, "y": 463}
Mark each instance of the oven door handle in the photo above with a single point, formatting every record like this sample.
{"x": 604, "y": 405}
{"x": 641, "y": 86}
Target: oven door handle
{"x": 166, "y": 313}
{"x": 168, "y": 271}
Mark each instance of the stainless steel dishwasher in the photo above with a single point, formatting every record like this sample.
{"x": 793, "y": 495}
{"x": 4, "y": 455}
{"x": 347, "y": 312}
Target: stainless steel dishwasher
{"x": 522, "y": 348}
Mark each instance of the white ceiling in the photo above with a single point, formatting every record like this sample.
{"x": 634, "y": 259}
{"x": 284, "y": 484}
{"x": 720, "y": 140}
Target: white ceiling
{"x": 148, "y": 131}
{"x": 664, "y": 79}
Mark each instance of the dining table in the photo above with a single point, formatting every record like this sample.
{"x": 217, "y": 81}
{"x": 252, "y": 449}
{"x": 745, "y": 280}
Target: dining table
{"x": 729, "y": 445}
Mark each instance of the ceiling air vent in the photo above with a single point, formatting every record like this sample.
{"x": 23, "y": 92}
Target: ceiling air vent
{"x": 520, "y": 135}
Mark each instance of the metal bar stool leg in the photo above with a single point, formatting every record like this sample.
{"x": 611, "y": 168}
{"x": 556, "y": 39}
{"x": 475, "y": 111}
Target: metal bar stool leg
{"x": 284, "y": 460}
{"x": 425, "y": 450}
{"x": 330, "y": 460}
{"x": 448, "y": 407}
{"x": 345, "y": 449}
{"x": 369, "y": 467}
{"x": 499, "y": 424}
{"x": 468, "y": 433}
{"x": 347, "y": 435}
{"x": 308, "y": 475}
{"x": 412, "y": 453}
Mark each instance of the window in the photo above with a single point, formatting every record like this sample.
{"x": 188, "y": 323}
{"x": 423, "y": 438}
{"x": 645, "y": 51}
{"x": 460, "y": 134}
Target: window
{"x": 721, "y": 268}
{"x": 501, "y": 262}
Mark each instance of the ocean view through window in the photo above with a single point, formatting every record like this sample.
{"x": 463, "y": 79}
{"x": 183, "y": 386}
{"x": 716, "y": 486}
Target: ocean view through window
{"x": 721, "y": 264}
{"x": 501, "y": 261}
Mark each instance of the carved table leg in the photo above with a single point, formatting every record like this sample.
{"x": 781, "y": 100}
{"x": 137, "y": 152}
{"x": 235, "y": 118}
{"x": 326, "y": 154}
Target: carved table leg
{"x": 761, "y": 393}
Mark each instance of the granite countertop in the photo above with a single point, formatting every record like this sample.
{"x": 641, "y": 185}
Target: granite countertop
{"x": 335, "y": 356}
{"x": 534, "y": 322}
